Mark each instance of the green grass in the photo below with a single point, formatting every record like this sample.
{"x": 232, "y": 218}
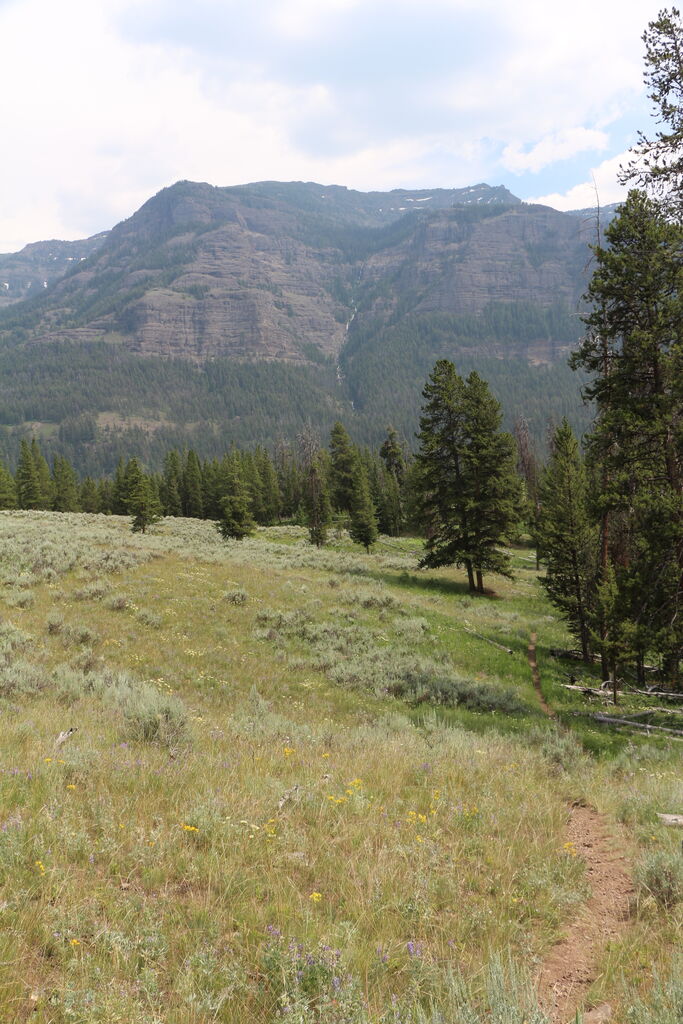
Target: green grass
{"x": 247, "y": 820}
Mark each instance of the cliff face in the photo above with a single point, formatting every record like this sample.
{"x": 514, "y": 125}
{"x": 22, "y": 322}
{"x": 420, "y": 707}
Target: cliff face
{"x": 221, "y": 315}
{"x": 38, "y": 265}
{"x": 278, "y": 271}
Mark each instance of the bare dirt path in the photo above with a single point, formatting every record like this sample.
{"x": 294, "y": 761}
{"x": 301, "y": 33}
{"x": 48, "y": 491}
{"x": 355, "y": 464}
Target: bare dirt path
{"x": 572, "y": 965}
{"x": 536, "y": 677}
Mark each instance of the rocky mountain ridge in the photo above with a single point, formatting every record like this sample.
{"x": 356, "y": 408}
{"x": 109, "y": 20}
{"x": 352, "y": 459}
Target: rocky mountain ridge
{"x": 281, "y": 271}
{"x": 218, "y": 314}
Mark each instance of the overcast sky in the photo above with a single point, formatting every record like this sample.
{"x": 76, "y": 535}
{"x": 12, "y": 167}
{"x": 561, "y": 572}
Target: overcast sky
{"x": 104, "y": 102}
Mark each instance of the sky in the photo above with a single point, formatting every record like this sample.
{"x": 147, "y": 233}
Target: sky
{"x": 105, "y": 102}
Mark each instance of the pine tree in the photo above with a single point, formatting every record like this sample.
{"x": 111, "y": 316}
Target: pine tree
{"x": 363, "y": 517}
{"x": 142, "y": 499}
{"x": 492, "y": 483}
{"x": 342, "y": 469}
{"x": 289, "y": 478}
{"x": 65, "y": 488}
{"x": 89, "y": 498}
{"x": 172, "y": 485}
{"x": 27, "y": 480}
{"x": 119, "y": 491}
{"x": 213, "y": 488}
{"x": 8, "y": 489}
{"x": 254, "y": 485}
{"x": 270, "y": 488}
{"x": 192, "y": 496}
{"x": 469, "y": 494}
{"x": 392, "y": 453}
{"x": 568, "y": 537}
{"x": 390, "y": 512}
{"x": 45, "y": 485}
{"x": 658, "y": 162}
{"x": 528, "y": 468}
{"x": 105, "y": 496}
{"x": 235, "y": 521}
{"x": 633, "y": 351}
{"x": 316, "y": 495}
{"x": 317, "y": 502}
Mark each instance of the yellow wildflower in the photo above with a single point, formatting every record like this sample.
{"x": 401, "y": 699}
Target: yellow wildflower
{"x": 316, "y": 897}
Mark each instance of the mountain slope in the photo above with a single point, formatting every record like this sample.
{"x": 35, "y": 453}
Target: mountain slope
{"x": 357, "y": 293}
{"x": 40, "y": 264}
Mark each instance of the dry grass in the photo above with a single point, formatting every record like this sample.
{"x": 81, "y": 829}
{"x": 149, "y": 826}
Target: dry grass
{"x": 230, "y": 835}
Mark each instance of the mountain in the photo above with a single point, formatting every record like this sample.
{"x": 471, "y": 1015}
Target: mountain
{"x": 219, "y": 314}
{"x": 40, "y": 264}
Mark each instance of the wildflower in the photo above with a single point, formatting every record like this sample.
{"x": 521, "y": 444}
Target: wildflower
{"x": 75, "y": 942}
{"x": 71, "y": 786}
{"x": 288, "y": 751}
{"x": 316, "y": 897}
{"x": 189, "y": 828}
{"x": 326, "y": 754}
{"x": 41, "y": 867}
{"x": 47, "y": 760}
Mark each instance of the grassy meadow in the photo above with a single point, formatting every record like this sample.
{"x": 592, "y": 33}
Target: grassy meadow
{"x": 303, "y": 785}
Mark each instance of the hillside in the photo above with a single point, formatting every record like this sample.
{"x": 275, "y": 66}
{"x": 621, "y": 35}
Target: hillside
{"x": 340, "y": 299}
{"x": 39, "y": 265}
{"x": 310, "y": 785}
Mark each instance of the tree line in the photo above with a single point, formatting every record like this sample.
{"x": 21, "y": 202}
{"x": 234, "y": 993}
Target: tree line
{"x": 302, "y": 482}
{"x": 610, "y": 521}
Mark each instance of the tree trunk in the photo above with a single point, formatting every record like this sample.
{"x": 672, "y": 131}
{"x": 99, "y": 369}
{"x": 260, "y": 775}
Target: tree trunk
{"x": 640, "y": 670}
{"x": 470, "y": 576}
{"x": 671, "y": 670}
{"x": 480, "y": 582}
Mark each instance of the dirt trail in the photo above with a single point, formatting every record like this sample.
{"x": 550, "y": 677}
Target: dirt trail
{"x": 572, "y": 965}
{"x": 536, "y": 677}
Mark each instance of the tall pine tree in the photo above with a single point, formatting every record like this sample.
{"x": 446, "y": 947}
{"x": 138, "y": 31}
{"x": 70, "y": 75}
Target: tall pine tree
{"x": 568, "y": 537}
{"x": 469, "y": 492}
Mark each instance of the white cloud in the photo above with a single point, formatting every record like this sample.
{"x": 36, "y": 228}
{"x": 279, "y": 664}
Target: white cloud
{"x": 602, "y": 189}
{"x": 374, "y": 94}
{"x": 551, "y": 149}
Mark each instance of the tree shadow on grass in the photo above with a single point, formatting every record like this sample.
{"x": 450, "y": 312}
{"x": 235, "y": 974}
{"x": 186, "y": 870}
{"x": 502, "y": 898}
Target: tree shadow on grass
{"x": 427, "y": 584}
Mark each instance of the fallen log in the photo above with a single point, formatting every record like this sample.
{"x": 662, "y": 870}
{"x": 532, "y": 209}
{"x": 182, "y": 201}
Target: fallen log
{"x": 508, "y": 650}
{"x": 673, "y": 820}
{"x": 611, "y": 720}
{"x": 590, "y": 691}
{"x": 664, "y": 694}
{"x": 656, "y": 711}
